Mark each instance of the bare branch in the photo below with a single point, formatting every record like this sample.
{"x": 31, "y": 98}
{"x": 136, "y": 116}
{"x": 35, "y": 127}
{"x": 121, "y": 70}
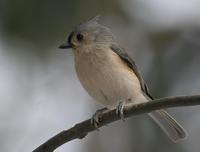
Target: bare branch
{"x": 80, "y": 130}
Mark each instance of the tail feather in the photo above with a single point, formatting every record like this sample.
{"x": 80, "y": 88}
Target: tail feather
{"x": 169, "y": 125}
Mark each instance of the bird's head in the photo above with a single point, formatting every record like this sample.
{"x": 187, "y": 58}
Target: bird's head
{"x": 89, "y": 35}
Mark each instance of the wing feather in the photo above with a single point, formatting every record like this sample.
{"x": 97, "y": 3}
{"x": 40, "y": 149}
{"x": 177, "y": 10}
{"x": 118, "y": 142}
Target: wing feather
{"x": 131, "y": 64}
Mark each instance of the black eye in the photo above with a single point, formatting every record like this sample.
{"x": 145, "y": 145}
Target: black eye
{"x": 79, "y": 37}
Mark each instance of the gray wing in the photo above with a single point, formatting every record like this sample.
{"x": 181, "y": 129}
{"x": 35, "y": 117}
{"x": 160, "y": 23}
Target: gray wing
{"x": 167, "y": 123}
{"x": 131, "y": 64}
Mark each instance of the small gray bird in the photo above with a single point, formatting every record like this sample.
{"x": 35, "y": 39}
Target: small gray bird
{"x": 110, "y": 76}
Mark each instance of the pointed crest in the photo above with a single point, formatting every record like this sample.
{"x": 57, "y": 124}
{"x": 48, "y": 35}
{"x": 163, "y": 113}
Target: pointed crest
{"x": 91, "y": 21}
{"x": 94, "y": 19}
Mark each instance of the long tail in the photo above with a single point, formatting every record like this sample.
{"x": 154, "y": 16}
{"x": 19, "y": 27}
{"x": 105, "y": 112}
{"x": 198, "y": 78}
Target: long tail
{"x": 169, "y": 125}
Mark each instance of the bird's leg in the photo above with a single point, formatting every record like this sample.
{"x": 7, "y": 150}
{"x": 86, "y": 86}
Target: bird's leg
{"x": 97, "y": 116}
{"x": 120, "y": 109}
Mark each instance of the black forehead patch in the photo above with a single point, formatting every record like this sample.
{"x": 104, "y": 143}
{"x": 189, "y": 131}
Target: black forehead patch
{"x": 70, "y": 37}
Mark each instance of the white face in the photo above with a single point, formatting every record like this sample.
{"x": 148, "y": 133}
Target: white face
{"x": 81, "y": 39}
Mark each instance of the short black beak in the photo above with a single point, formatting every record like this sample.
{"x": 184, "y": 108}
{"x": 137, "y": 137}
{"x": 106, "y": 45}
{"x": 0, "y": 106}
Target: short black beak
{"x": 65, "y": 46}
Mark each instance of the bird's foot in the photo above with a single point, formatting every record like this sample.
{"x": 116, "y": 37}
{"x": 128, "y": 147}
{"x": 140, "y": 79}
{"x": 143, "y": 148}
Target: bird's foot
{"x": 120, "y": 110}
{"x": 95, "y": 120}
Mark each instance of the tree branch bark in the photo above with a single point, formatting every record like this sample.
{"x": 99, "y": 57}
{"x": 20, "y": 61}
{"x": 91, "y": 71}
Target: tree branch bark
{"x": 80, "y": 130}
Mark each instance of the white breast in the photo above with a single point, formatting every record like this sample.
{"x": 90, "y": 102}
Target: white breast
{"x": 107, "y": 78}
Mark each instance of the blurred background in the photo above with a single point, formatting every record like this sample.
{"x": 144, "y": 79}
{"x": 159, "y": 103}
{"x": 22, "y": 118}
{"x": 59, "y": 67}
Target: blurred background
{"x": 40, "y": 94}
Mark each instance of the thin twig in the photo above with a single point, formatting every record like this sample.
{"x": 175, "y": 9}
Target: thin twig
{"x": 80, "y": 130}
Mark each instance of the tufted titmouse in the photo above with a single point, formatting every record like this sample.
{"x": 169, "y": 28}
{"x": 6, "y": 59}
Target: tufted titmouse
{"x": 110, "y": 76}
